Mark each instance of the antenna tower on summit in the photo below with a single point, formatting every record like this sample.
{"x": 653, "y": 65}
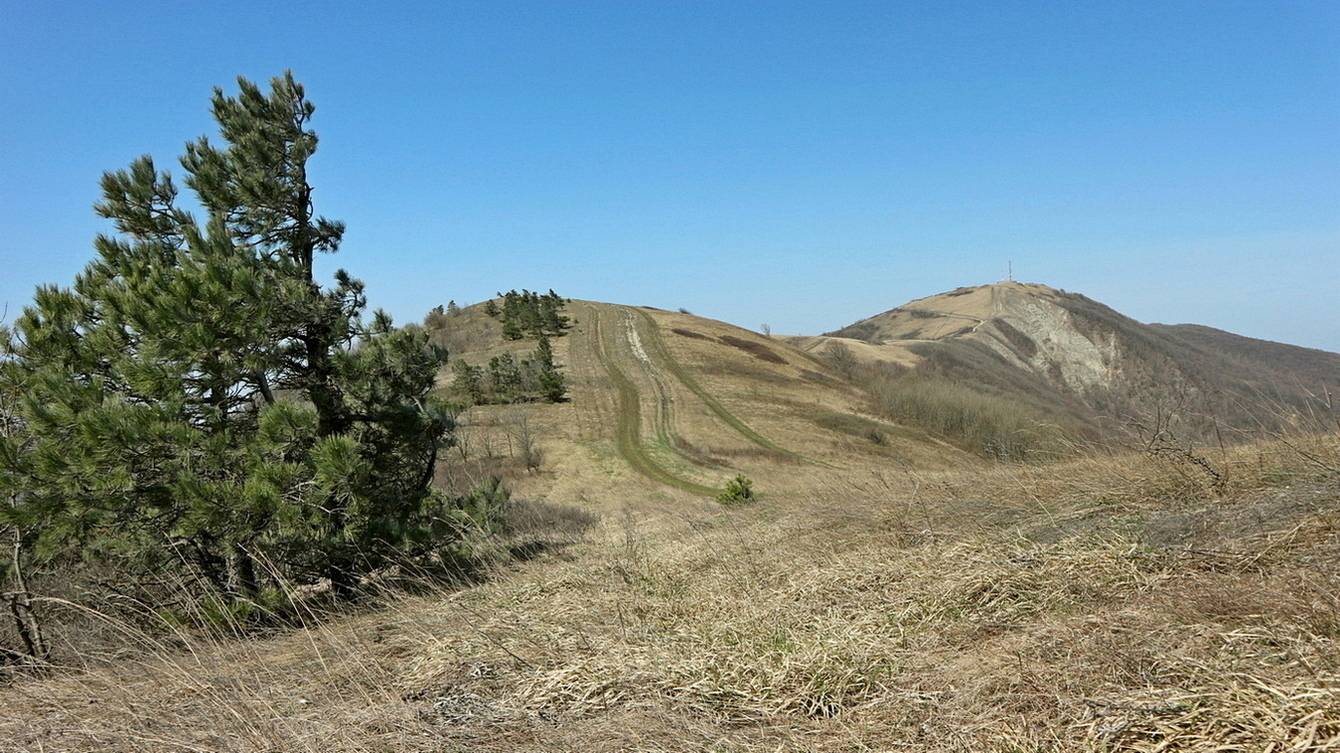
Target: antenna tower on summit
{"x": 1009, "y": 272}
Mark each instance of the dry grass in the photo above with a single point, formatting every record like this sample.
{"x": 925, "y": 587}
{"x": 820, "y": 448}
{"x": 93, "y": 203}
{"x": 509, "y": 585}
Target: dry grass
{"x": 1121, "y": 603}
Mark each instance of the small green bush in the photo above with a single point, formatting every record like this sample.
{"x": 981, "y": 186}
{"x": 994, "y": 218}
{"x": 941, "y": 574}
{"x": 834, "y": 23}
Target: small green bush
{"x": 739, "y": 491}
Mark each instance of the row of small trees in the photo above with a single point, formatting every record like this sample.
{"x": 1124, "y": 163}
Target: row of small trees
{"x": 198, "y": 403}
{"x": 505, "y": 380}
{"x": 529, "y": 314}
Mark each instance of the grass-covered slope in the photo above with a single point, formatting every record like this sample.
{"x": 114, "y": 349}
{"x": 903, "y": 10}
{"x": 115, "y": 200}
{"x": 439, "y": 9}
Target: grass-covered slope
{"x": 1121, "y": 604}
{"x": 670, "y": 406}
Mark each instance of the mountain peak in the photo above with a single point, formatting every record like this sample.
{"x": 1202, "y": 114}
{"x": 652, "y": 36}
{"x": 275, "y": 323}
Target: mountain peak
{"x": 957, "y": 313}
{"x": 1077, "y": 351}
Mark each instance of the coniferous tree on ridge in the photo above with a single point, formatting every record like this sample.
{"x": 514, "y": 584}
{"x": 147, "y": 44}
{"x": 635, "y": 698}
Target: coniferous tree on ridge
{"x": 197, "y": 396}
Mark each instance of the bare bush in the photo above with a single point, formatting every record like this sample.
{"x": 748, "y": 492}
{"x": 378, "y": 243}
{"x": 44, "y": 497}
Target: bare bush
{"x": 522, "y": 439}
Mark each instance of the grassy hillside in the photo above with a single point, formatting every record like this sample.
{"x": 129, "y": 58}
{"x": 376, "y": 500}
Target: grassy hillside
{"x": 1121, "y": 604}
{"x": 667, "y": 406}
{"x": 890, "y": 589}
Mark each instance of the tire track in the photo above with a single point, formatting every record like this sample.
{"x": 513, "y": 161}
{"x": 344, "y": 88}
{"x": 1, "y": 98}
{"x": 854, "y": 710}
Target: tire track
{"x": 668, "y": 362}
{"x": 595, "y": 408}
{"x": 626, "y": 343}
{"x": 662, "y": 395}
{"x": 628, "y": 424}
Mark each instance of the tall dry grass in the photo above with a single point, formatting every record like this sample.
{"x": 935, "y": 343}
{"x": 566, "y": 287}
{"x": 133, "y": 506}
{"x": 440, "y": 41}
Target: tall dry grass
{"x": 1116, "y": 603}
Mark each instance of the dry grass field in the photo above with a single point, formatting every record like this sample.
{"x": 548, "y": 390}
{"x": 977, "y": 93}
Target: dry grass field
{"x": 886, "y": 592}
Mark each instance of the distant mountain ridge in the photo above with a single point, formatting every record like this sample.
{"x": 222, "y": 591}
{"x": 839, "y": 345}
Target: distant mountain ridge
{"x": 1086, "y": 362}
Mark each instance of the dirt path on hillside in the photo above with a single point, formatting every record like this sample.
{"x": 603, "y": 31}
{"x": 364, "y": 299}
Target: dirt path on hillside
{"x": 639, "y": 390}
{"x": 652, "y": 332}
{"x": 978, "y": 321}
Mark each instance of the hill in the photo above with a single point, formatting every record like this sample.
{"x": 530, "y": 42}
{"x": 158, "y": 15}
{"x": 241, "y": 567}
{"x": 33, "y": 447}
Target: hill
{"x": 1068, "y": 360}
{"x": 669, "y": 406}
{"x": 893, "y": 587}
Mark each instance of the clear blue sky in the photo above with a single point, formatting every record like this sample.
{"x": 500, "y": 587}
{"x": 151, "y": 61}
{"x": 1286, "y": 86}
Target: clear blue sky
{"x": 802, "y": 165}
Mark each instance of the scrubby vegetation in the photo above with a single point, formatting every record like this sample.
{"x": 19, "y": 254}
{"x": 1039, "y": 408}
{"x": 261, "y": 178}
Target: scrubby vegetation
{"x": 506, "y": 380}
{"x": 955, "y": 399}
{"x": 1225, "y": 387}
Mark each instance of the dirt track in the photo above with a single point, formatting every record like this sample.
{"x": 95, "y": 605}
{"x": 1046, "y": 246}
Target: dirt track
{"x": 649, "y": 386}
{"x": 610, "y": 337}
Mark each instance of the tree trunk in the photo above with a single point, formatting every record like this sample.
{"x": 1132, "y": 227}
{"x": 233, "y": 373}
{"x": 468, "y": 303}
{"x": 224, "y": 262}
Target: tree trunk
{"x": 20, "y": 606}
{"x": 343, "y": 582}
{"x": 242, "y": 573}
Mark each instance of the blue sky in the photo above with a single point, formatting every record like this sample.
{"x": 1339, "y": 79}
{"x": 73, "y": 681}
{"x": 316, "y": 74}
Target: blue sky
{"x": 802, "y": 165}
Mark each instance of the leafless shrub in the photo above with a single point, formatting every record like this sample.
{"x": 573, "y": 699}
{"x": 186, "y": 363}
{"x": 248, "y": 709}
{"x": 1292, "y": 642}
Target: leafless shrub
{"x": 1158, "y": 434}
{"x": 522, "y": 438}
{"x": 532, "y": 517}
{"x": 842, "y": 359}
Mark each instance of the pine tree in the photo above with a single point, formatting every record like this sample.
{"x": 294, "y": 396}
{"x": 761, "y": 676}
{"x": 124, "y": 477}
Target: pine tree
{"x": 197, "y": 396}
{"x": 468, "y": 382}
{"x": 529, "y": 314}
{"x": 505, "y": 381}
{"x": 16, "y": 530}
{"x": 549, "y": 380}
{"x": 513, "y": 317}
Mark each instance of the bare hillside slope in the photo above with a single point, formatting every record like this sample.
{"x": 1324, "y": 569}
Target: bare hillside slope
{"x": 1074, "y": 359}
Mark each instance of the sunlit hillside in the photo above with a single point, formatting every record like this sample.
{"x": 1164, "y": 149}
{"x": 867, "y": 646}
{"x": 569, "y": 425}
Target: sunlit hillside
{"x": 893, "y": 584}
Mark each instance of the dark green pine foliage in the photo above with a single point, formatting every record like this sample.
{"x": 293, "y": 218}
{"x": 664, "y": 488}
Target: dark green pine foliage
{"x": 738, "y": 491}
{"x": 551, "y": 321}
{"x": 17, "y": 528}
{"x": 505, "y": 379}
{"x": 468, "y": 382}
{"x": 197, "y": 397}
{"x": 511, "y": 328}
{"x": 549, "y": 382}
{"x": 529, "y": 314}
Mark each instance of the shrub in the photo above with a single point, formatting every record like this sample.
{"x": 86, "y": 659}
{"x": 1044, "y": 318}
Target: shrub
{"x": 739, "y": 491}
